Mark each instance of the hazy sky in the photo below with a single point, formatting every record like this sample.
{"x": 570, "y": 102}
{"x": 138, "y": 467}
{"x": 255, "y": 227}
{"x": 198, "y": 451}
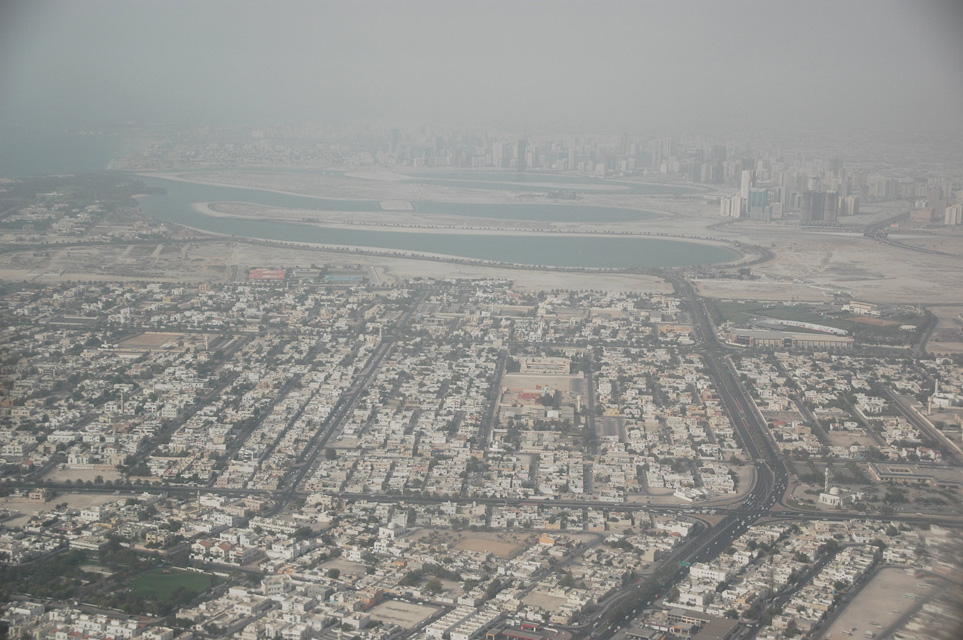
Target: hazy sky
{"x": 868, "y": 65}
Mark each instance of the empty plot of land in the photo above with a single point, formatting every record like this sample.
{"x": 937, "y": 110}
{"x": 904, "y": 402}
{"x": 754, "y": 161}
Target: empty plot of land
{"x": 150, "y": 340}
{"x": 948, "y": 336}
{"x": 31, "y": 508}
{"x": 501, "y": 549}
{"x": 889, "y": 594}
{"x": 86, "y": 475}
{"x": 527, "y": 381}
{"x": 500, "y": 544}
{"x": 403, "y": 614}
{"x": 848, "y": 438}
{"x": 544, "y": 600}
{"x": 876, "y": 322}
{"x": 346, "y": 568}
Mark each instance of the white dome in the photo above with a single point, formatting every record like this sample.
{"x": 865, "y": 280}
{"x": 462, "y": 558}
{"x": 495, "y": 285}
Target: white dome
{"x": 834, "y": 491}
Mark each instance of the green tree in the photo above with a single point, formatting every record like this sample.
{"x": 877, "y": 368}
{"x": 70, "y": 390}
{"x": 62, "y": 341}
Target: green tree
{"x": 433, "y": 586}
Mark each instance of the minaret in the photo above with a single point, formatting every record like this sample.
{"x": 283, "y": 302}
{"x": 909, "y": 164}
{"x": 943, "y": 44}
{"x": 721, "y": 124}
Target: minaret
{"x": 826, "y": 488}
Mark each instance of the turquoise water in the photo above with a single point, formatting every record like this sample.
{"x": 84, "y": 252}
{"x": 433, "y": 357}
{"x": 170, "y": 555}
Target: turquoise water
{"x": 557, "y": 250}
{"x": 186, "y": 193}
{"x": 33, "y": 153}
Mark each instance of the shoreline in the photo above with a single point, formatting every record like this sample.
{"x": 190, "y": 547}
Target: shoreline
{"x": 205, "y": 208}
{"x": 438, "y": 257}
{"x": 179, "y": 177}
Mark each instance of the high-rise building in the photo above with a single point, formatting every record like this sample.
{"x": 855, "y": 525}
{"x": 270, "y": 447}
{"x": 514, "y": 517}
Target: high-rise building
{"x": 731, "y": 207}
{"x": 758, "y": 200}
{"x": 522, "y": 157}
{"x": 655, "y": 155}
{"x": 748, "y": 181}
{"x": 819, "y": 207}
{"x": 501, "y": 155}
{"x": 953, "y": 215}
{"x": 850, "y": 206}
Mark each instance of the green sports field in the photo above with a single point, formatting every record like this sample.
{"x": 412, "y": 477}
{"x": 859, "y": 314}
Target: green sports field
{"x": 161, "y": 583}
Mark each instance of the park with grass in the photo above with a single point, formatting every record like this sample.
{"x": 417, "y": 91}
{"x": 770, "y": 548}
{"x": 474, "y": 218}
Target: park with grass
{"x": 867, "y": 330}
{"x": 162, "y": 584}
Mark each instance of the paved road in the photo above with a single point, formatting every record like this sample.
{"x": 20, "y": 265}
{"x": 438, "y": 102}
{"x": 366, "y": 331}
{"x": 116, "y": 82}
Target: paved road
{"x": 345, "y": 405}
{"x": 770, "y": 480}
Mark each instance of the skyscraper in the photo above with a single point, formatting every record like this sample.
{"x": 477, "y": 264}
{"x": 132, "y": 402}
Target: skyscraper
{"x": 748, "y": 181}
{"x": 819, "y": 207}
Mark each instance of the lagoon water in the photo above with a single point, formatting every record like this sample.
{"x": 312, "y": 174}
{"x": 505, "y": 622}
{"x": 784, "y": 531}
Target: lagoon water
{"x": 33, "y": 153}
{"x": 556, "y": 250}
{"x": 179, "y": 193}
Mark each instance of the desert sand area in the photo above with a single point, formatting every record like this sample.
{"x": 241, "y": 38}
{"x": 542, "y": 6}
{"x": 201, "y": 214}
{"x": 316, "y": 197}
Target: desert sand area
{"x": 890, "y": 595}
{"x": 83, "y": 475}
{"x": 948, "y": 240}
{"x": 30, "y": 508}
{"x": 503, "y": 545}
{"x": 406, "y": 615}
{"x": 223, "y": 261}
{"x": 947, "y": 338}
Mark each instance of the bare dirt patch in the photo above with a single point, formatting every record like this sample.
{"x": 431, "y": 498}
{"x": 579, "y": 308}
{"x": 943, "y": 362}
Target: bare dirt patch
{"x": 882, "y": 601}
{"x": 86, "y": 475}
{"x": 544, "y": 600}
{"x": 500, "y": 549}
{"x": 73, "y": 500}
{"x": 500, "y": 544}
{"x": 403, "y": 614}
{"x": 947, "y": 338}
{"x": 874, "y": 322}
{"x": 151, "y": 340}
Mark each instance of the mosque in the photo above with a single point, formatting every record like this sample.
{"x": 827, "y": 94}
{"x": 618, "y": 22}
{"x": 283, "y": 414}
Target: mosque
{"x": 836, "y": 497}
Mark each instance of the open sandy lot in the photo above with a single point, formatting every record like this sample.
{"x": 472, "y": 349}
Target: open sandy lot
{"x": 501, "y": 549}
{"x": 847, "y": 438}
{"x": 150, "y": 340}
{"x": 947, "y": 338}
{"x": 227, "y": 261}
{"x": 522, "y": 381}
{"x": 74, "y": 501}
{"x": 882, "y": 601}
{"x": 404, "y": 614}
{"x": 544, "y": 600}
{"x": 500, "y": 544}
{"x": 87, "y": 475}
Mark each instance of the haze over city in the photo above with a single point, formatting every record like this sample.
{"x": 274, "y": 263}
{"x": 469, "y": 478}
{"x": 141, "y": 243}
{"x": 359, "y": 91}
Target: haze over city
{"x": 490, "y": 320}
{"x": 876, "y": 67}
